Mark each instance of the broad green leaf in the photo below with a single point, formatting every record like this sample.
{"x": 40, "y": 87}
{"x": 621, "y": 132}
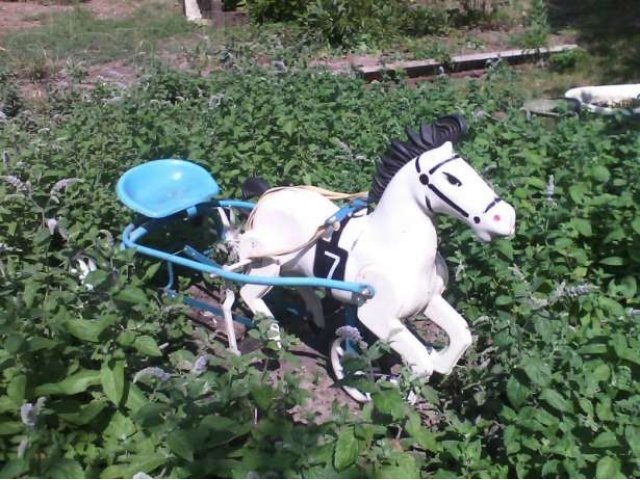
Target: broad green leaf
{"x": 608, "y": 467}
{"x": 263, "y": 395}
{"x": 112, "y": 378}
{"x": 38, "y": 343}
{"x": 14, "y": 468}
{"x": 628, "y": 286}
{"x": 605, "y": 440}
{"x": 601, "y": 372}
{"x": 76, "y": 383}
{"x": 147, "y": 346}
{"x": 404, "y": 466}
{"x": 550, "y": 469}
{"x": 221, "y": 430}
{"x": 603, "y": 409}
{"x": 517, "y": 393}
{"x": 635, "y": 224}
{"x": 30, "y": 290}
{"x": 9, "y": 428}
{"x": 89, "y": 330}
{"x": 131, "y": 295}
{"x": 511, "y": 442}
{"x": 577, "y": 192}
{"x": 8, "y": 405}
{"x": 96, "y": 278}
{"x": 141, "y": 463}
{"x": 347, "y": 449}
{"x": 600, "y": 173}
{"x": 612, "y": 261}
{"x": 632, "y": 436}
{"x": 65, "y": 468}
{"x": 85, "y": 414}
{"x": 390, "y": 402}
{"x": 504, "y": 300}
{"x": 586, "y": 406}
{"x": 556, "y": 400}
{"x": 14, "y": 343}
{"x": 424, "y": 437}
{"x": 505, "y": 247}
{"x": 151, "y": 415}
{"x": 537, "y": 371}
{"x": 151, "y": 271}
{"x": 16, "y": 388}
{"x": 582, "y": 226}
{"x": 180, "y": 443}
{"x": 136, "y": 398}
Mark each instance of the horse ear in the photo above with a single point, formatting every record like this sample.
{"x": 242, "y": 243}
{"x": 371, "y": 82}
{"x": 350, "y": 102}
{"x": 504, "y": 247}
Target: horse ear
{"x": 254, "y": 187}
{"x": 428, "y": 135}
{"x": 450, "y": 128}
{"x": 416, "y": 139}
{"x": 448, "y": 148}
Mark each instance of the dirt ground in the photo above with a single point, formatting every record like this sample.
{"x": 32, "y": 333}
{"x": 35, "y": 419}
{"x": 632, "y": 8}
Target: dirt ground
{"x": 18, "y": 15}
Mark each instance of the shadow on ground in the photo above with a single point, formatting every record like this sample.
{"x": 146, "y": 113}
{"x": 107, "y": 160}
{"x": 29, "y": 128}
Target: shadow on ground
{"x": 607, "y": 28}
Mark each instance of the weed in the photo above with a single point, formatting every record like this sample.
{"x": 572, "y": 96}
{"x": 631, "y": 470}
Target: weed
{"x": 130, "y": 387}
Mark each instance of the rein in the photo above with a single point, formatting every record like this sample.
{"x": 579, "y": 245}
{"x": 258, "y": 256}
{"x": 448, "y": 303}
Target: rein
{"x": 424, "y": 179}
{"x": 336, "y": 221}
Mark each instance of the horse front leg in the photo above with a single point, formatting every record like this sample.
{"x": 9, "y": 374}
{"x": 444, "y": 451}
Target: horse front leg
{"x": 379, "y": 315}
{"x": 440, "y": 312}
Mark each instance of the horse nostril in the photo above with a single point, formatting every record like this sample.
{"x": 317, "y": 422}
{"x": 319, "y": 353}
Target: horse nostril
{"x": 497, "y": 218}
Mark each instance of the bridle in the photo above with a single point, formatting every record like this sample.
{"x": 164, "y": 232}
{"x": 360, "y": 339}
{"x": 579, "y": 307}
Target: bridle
{"x": 424, "y": 180}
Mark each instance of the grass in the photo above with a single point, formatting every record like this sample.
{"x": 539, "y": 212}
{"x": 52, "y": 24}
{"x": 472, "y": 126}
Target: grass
{"x": 79, "y": 36}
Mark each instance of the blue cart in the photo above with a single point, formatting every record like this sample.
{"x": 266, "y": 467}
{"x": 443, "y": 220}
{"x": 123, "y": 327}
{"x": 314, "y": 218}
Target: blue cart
{"x": 167, "y": 192}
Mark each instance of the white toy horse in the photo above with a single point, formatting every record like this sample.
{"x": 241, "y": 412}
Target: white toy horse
{"x": 393, "y": 248}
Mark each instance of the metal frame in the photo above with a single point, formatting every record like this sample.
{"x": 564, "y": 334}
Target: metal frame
{"x": 132, "y": 236}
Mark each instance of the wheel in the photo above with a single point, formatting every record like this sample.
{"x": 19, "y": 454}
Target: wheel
{"x": 342, "y": 348}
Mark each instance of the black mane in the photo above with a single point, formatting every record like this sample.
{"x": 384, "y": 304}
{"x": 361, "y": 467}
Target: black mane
{"x": 445, "y": 129}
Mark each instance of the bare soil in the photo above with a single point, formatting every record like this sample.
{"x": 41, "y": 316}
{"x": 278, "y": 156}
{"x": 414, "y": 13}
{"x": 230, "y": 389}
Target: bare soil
{"x": 313, "y": 365}
{"x": 28, "y": 14}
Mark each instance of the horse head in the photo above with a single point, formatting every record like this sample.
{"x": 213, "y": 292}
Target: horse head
{"x": 443, "y": 182}
{"x": 446, "y": 183}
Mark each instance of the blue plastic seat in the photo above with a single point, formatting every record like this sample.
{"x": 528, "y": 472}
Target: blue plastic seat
{"x": 161, "y": 188}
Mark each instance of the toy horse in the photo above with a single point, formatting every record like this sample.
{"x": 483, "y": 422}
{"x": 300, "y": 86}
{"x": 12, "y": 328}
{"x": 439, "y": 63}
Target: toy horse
{"x": 392, "y": 247}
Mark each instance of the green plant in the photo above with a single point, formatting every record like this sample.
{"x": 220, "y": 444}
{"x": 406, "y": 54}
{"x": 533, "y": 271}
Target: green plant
{"x": 347, "y": 23}
{"x": 262, "y": 11}
{"x": 569, "y": 60}
{"x": 131, "y": 385}
{"x": 537, "y": 29}
{"x": 420, "y": 20}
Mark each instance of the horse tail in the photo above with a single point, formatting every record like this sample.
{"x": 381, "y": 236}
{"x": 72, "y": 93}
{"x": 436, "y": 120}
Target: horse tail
{"x": 254, "y": 187}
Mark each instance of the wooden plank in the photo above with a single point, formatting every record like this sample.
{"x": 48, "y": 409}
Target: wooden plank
{"x": 459, "y": 63}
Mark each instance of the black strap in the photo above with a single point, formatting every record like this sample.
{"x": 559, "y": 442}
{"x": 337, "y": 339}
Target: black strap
{"x": 330, "y": 260}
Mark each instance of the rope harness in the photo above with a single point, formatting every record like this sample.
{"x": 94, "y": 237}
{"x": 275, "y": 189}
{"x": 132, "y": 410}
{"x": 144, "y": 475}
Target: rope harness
{"x": 334, "y": 222}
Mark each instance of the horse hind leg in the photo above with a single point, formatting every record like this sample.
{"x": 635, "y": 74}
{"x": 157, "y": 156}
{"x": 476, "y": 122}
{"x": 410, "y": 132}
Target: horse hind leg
{"x": 313, "y": 305}
{"x": 252, "y": 296}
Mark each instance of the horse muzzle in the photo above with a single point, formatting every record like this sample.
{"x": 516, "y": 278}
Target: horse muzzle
{"x": 499, "y": 221}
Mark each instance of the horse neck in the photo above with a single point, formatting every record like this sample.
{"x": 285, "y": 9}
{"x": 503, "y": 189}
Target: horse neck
{"x": 399, "y": 219}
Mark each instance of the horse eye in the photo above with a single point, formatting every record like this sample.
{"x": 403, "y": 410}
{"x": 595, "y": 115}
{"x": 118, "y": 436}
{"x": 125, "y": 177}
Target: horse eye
{"x": 452, "y": 180}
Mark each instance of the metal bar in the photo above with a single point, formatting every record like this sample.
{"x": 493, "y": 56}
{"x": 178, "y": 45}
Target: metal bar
{"x": 200, "y": 305}
{"x": 351, "y": 320}
{"x": 199, "y": 257}
{"x": 242, "y": 204}
{"x": 172, "y": 277}
{"x": 131, "y": 236}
